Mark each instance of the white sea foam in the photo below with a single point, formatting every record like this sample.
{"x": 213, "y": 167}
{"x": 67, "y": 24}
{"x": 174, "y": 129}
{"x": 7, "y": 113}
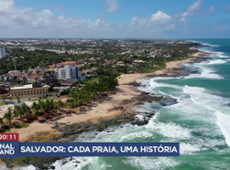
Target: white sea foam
{"x": 187, "y": 148}
{"x": 140, "y": 117}
{"x": 215, "y": 104}
{"x": 155, "y": 84}
{"x": 112, "y": 134}
{"x": 150, "y": 163}
{"x": 74, "y": 163}
{"x": 141, "y": 134}
{"x": 206, "y": 72}
{"x": 170, "y": 130}
{"x": 215, "y": 53}
{"x": 216, "y": 62}
{"x": 187, "y": 110}
{"x": 151, "y": 84}
{"x": 206, "y": 44}
{"x": 106, "y": 166}
{"x": 211, "y": 45}
{"x": 29, "y": 167}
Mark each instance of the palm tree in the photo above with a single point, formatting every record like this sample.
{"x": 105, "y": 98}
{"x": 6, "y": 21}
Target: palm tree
{"x": 1, "y": 122}
{"x": 59, "y": 104}
{"x": 16, "y": 111}
{"x": 18, "y": 98}
{"x": 8, "y": 117}
{"x": 25, "y": 110}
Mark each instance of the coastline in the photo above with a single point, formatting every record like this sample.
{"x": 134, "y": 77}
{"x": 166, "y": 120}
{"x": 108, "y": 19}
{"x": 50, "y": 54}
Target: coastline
{"x": 106, "y": 108}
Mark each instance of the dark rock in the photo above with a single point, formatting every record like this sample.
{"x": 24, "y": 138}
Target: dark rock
{"x": 63, "y": 163}
{"x": 133, "y": 84}
{"x": 146, "y": 97}
{"x": 127, "y": 101}
{"x": 52, "y": 167}
{"x": 117, "y": 108}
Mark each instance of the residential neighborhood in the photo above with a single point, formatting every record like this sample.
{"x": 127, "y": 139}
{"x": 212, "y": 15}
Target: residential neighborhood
{"x": 31, "y": 70}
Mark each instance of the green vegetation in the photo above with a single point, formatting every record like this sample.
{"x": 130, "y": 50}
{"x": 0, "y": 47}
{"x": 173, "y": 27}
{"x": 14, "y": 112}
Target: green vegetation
{"x": 2, "y": 103}
{"x": 22, "y": 114}
{"x": 47, "y": 109}
{"x": 89, "y": 92}
{"x": 91, "y": 81}
{"x": 30, "y": 59}
{"x": 19, "y": 125}
{"x": 148, "y": 69}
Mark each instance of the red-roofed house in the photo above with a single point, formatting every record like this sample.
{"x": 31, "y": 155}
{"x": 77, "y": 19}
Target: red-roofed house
{"x": 32, "y": 79}
{"x": 120, "y": 63}
{"x": 20, "y": 77}
{"x": 52, "y": 68}
{"x": 66, "y": 63}
{"x": 108, "y": 62}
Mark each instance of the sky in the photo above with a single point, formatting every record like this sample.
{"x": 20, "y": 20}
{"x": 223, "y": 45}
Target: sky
{"x": 115, "y": 19}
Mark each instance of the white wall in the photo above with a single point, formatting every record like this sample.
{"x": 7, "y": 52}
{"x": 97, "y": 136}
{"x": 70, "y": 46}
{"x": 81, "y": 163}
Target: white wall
{"x": 68, "y": 72}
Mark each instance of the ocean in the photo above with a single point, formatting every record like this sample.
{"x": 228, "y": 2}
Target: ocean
{"x": 200, "y": 120}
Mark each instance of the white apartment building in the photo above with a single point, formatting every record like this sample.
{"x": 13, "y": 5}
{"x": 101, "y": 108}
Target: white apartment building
{"x": 68, "y": 72}
{"x": 2, "y": 52}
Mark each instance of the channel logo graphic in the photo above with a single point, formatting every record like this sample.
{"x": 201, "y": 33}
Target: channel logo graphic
{"x": 9, "y": 145}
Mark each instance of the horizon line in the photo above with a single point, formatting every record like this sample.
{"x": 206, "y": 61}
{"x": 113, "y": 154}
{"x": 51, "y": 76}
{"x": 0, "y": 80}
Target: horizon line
{"x": 115, "y": 38}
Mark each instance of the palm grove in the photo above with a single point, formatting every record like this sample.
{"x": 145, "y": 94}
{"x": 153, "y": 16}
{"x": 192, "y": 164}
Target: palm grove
{"x": 47, "y": 109}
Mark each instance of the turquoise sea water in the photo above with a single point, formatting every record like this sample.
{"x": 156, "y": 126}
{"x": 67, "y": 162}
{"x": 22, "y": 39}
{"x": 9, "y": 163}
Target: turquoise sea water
{"x": 200, "y": 120}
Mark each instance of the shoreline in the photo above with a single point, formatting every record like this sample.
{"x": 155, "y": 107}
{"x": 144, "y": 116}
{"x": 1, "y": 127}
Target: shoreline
{"x": 106, "y": 108}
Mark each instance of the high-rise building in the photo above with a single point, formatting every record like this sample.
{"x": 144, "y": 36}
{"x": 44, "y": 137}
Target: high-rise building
{"x": 2, "y": 52}
{"x": 67, "y": 71}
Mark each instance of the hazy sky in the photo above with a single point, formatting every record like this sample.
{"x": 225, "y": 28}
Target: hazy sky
{"x": 115, "y": 18}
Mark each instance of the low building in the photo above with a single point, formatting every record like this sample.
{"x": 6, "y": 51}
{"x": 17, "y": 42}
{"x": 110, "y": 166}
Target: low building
{"x": 14, "y": 72}
{"x": 29, "y": 91}
{"x": 66, "y": 63}
{"x": 107, "y": 62}
{"x": 138, "y": 62}
{"x": 52, "y": 68}
{"x": 4, "y": 89}
{"x": 121, "y": 63}
{"x": 32, "y": 79}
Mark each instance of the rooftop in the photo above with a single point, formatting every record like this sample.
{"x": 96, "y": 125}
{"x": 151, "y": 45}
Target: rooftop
{"x": 67, "y": 63}
{"x": 33, "y": 77}
{"x": 29, "y": 86}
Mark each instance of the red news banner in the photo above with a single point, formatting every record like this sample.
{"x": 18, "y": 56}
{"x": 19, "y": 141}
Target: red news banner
{"x": 9, "y": 137}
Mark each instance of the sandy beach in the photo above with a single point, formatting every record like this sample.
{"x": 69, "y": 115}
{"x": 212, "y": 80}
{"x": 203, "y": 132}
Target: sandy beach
{"x": 102, "y": 110}
{"x": 177, "y": 64}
